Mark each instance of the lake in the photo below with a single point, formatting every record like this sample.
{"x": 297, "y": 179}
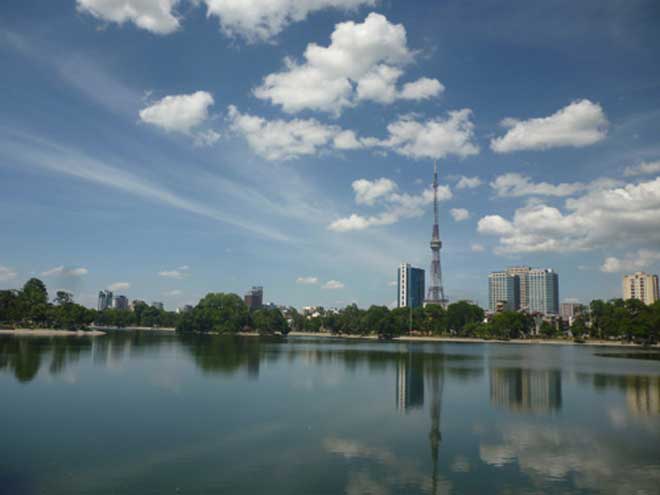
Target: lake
{"x": 149, "y": 413}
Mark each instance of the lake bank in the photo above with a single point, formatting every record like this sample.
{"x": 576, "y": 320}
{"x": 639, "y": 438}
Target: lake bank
{"x": 50, "y": 332}
{"x": 469, "y": 340}
{"x": 137, "y": 329}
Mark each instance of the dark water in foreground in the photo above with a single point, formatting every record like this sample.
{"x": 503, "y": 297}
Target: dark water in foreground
{"x": 163, "y": 414}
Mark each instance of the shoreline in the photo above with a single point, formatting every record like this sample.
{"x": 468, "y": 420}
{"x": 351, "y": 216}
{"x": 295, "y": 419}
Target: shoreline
{"x": 138, "y": 329}
{"x": 474, "y": 340}
{"x": 50, "y": 332}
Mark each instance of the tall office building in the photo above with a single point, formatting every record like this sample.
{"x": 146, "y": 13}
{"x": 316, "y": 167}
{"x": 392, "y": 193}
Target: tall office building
{"x": 504, "y": 291}
{"x": 410, "y": 286}
{"x": 569, "y": 310}
{"x": 105, "y": 300}
{"x": 642, "y": 286}
{"x": 120, "y": 302}
{"x": 254, "y": 299}
{"x": 522, "y": 272}
{"x": 543, "y": 291}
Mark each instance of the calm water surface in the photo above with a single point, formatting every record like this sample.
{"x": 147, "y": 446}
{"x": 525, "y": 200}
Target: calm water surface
{"x": 164, "y": 414}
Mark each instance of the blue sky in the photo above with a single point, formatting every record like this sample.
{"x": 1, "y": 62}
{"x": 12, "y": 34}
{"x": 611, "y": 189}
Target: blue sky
{"x": 173, "y": 148}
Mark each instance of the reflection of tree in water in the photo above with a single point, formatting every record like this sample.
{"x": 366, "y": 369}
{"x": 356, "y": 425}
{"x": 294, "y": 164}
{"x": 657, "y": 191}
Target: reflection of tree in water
{"x": 24, "y": 356}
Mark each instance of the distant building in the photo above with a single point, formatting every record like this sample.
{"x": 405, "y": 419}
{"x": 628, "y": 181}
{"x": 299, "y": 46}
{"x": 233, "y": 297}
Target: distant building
{"x": 543, "y": 291}
{"x": 410, "y": 286}
{"x": 503, "y": 292}
{"x": 120, "y": 302}
{"x": 254, "y": 299}
{"x": 187, "y": 308}
{"x": 158, "y": 305}
{"x": 642, "y": 286}
{"x": 105, "y": 300}
{"x": 569, "y": 310}
{"x": 522, "y": 273}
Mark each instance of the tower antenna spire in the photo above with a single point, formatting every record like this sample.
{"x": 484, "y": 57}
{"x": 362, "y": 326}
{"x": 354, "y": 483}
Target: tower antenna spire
{"x": 436, "y": 293}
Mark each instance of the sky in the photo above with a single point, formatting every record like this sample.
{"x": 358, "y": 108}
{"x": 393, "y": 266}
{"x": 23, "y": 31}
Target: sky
{"x": 170, "y": 148}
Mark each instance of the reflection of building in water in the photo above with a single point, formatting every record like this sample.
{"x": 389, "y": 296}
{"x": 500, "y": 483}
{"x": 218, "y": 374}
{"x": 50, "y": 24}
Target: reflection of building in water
{"x": 435, "y": 435}
{"x": 525, "y": 390}
{"x": 643, "y": 395}
{"x": 409, "y": 382}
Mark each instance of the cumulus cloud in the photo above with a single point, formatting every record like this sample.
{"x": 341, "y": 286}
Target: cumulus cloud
{"x": 459, "y": 214}
{"x": 61, "y": 271}
{"x": 396, "y": 205}
{"x": 281, "y": 139}
{"x": 435, "y": 138}
{"x": 119, "y": 286}
{"x": 182, "y": 113}
{"x": 333, "y": 285}
{"x": 514, "y": 185}
{"x": 362, "y": 62}
{"x": 7, "y": 274}
{"x": 644, "y": 168}
{"x": 601, "y": 217}
{"x": 256, "y": 20}
{"x": 156, "y": 16}
{"x": 177, "y": 273}
{"x": 632, "y": 262}
{"x": 468, "y": 182}
{"x": 367, "y": 192}
{"x": 307, "y": 280}
{"x": 475, "y": 247}
{"x": 579, "y": 124}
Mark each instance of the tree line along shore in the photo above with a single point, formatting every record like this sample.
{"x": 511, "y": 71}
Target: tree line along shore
{"x": 629, "y": 321}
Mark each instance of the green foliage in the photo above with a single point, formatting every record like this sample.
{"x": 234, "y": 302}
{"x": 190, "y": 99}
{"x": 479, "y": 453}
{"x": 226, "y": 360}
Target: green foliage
{"x": 270, "y": 320}
{"x": 217, "y": 312}
{"x": 510, "y": 325}
{"x": 461, "y": 314}
{"x": 631, "y": 320}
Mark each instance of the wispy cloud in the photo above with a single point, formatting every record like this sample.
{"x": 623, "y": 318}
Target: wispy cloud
{"x": 61, "y": 271}
{"x": 37, "y": 152}
{"x": 119, "y": 286}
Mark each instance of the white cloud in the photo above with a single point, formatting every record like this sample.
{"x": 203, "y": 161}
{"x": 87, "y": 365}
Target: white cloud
{"x": 632, "y": 262}
{"x": 307, "y": 280}
{"x": 468, "y": 182}
{"x": 61, "y": 271}
{"x": 346, "y": 140}
{"x": 182, "y": 113}
{"x": 177, "y": 273}
{"x": 156, "y": 16}
{"x": 258, "y": 20}
{"x": 363, "y": 62}
{"x": 579, "y": 124}
{"x": 206, "y": 138}
{"x": 421, "y": 89}
{"x": 7, "y": 274}
{"x": 459, "y": 214}
{"x": 434, "y": 138}
{"x": 173, "y": 293}
{"x": 514, "y": 185}
{"x": 119, "y": 286}
{"x": 333, "y": 285}
{"x": 644, "y": 168}
{"x": 475, "y": 247}
{"x": 367, "y": 192}
{"x": 601, "y": 217}
{"x": 280, "y": 139}
{"x": 397, "y": 205}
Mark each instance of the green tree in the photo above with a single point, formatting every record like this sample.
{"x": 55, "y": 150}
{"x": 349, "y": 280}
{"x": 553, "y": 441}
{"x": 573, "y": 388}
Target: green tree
{"x": 10, "y": 307}
{"x": 435, "y": 319}
{"x": 378, "y": 320}
{"x": 217, "y": 312}
{"x": 63, "y": 297}
{"x": 34, "y": 300}
{"x": 270, "y": 320}
{"x": 462, "y": 313}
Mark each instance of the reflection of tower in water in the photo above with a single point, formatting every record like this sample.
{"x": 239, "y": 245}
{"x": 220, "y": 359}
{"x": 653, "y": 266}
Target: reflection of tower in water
{"x": 435, "y": 435}
{"x": 525, "y": 390}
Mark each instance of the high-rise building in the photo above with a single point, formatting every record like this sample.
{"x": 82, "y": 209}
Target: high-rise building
{"x": 158, "y": 305}
{"x": 543, "y": 291}
{"x": 120, "y": 302}
{"x": 254, "y": 299}
{"x": 105, "y": 300}
{"x": 503, "y": 291}
{"x": 410, "y": 286}
{"x": 522, "y": 272}
{"x": 642, "y": 286}
{"x": 436, "y": 293}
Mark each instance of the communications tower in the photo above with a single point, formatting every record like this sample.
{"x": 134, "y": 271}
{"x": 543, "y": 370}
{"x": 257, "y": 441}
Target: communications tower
{"x": 436, "y": 293}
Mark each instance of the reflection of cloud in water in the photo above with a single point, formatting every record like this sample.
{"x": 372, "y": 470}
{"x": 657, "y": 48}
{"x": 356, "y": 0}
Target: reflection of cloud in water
{"x": 550, "y": 453}
{"x": 391, "y": 474}
{"x": 460, "y": 464}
